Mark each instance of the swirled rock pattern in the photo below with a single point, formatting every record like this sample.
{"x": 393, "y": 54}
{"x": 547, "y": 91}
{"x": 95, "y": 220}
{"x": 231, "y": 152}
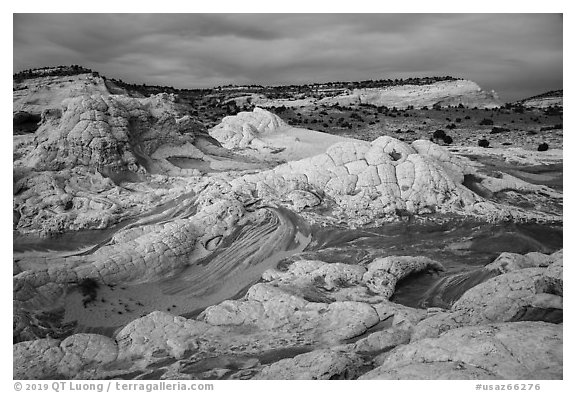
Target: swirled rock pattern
{"x": 522, "y": 293}
{"x": 136, "y": 254}
{"x": 327, "y": 338}
{"x": 69, "y": 175}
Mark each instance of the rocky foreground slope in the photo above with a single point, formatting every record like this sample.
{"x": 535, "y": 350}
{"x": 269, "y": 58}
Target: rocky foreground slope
{"x": 485, "y": 335}
{"x": 197, "y": 220}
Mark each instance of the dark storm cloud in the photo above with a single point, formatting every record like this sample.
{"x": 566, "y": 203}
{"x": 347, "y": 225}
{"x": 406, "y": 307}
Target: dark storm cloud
{"x": 516, "y": 54}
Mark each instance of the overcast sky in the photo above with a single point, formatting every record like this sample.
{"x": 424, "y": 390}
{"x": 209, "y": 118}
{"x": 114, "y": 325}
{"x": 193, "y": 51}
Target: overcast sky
{"x": 518, "y": 55}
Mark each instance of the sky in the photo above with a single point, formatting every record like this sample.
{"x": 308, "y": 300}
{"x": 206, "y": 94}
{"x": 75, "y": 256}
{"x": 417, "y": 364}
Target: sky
{"x": 517, "y": 55}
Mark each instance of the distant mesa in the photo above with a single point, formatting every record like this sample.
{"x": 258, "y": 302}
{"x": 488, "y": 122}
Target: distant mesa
{"x": 545, "y": 100}
{"x": 443, "y": 93}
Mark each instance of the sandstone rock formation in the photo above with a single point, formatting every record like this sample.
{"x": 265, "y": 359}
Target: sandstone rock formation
{"x": 336, "y": 281}
{"x": 320, "y": 364}
{"x": 244, "y": 129}
{"x": 383, "y": 179}
{"x": 328, "y": 339}
{"x": 521, "y": 350}
{"x": 262, "y": 134}
{"x": 445, "y": 93}
{"x": 105, "y": 132}
{"x": 213, "y": 225}
{"x": 543, "y": 101}
{"x": 522, "y": 292}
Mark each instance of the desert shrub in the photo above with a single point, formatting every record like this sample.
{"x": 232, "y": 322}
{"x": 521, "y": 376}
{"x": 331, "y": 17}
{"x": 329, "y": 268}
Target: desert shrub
{"x": 483, "y": 143}
{"x": 466, "y": 117}
{"x": 486, "y": 122}
{"x": 451, "y": 126}
{"x": 439, "y": 134}
{"x": 447, "y": 139}
{"x": 458, "y": 120}
{"x": 543, "y": 147}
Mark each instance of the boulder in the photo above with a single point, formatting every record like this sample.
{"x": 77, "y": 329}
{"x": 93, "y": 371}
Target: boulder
{"x": 319, "y": 364}
{"x": 517, "y": 350}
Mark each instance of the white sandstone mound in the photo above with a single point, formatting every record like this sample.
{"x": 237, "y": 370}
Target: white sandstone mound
{"x": 263, "y": 134}
{"x": 521, "y": 350}
{"x": 116, "y": 133}
{"x": 245, "y": 128}
{"x": 373, "y": 180}
{"x": 105, "y": 132}
{"x": 445, "y": 93}
{"x": 382, "y": 179}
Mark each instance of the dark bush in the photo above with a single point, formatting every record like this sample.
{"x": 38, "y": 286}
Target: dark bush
{"x": 486, "y": 122}
{"x": 447, "y": 139}
{"x": 24, "y": 122}
{"x": 451, "y": 126}
{"x": 543, "y": 147}
{"x": 458, "y": 120}
{"x": 439, "y": 134}
{"x": 483, "y": 143}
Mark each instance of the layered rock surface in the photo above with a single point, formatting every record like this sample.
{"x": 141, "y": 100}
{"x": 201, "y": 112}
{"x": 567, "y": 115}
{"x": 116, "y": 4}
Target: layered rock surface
{"x": 274, "y": 333}
{"x": 443, "y": 93}
{"x": 446, "y": 93}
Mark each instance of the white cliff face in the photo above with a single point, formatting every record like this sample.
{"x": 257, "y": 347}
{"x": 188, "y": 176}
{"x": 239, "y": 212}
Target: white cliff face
{"x": 35, "y": 95}
{"x": 443, "y": 93}
{"x": 544, "y": 102}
